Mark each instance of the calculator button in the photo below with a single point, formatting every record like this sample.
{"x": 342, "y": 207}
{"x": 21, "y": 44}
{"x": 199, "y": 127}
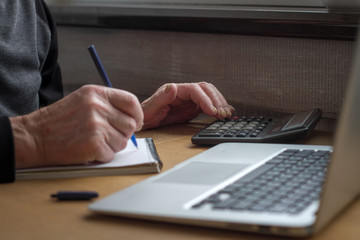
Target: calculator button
{"x": 229, "y": 134}
{"x": 217, "y": 124}
{"x": 212, "y": 130}
{"x": 243, "y": 133}
{"x": 210, "y": 134}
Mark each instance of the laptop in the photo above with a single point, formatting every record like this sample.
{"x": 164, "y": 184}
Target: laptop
{"x": 281, "y": 189}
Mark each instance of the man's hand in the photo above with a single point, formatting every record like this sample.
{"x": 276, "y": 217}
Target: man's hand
{"x": 175, "y": 103}
{"x": 91, "y": 124}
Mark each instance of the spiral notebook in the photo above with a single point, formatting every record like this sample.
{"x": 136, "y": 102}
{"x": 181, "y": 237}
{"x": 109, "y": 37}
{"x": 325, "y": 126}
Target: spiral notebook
{"x": 128, "y": 161}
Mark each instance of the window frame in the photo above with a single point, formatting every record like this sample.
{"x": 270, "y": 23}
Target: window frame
{"x": 279, "y": 3}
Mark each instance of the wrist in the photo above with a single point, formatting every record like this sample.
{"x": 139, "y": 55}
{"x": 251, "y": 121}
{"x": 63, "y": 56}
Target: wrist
{"x": 25, "y": 144}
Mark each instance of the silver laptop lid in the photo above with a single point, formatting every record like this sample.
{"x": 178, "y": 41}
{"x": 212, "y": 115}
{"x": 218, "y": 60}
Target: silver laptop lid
{"x": 342, "y": 184}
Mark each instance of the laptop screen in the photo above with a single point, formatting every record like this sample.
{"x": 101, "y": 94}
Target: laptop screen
{"x": 343, "y": 175}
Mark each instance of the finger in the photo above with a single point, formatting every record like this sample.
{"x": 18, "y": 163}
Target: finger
{"x": 214, "y": 94}
{"x": 157, "y": 107}
{"x": 116, "y": 140}
{"x": 164, "y": 96}
{"x": 219, "y": 101}
{"x": 119, "y": 108}
{"x": 120, "y": 127}
{"x": 110, "y": 119}
{"x": 193, "y": 92}
{"x": 128, "y": 104}
{"x": 103, "y": 139}
{"x": 102, "y": 151}
{"x": 122, "y": 123}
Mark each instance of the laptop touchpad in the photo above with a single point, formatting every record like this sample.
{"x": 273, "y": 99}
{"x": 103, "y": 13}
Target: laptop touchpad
{"x": 202, "y": 173}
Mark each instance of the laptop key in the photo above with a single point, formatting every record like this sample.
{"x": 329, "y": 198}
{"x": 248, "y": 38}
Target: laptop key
{"x": 241, "y": 205}
{"x": 255, "y": 173}
{"x": 228, "y": 203}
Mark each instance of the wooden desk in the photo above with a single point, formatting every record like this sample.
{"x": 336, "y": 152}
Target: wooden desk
{"x": 28, "y": 212}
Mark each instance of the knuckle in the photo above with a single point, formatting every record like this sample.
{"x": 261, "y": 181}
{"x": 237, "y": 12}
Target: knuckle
{"x": 92, "y": 125}
{"x": 92, "y": 104}
{"x": 130, "y": 99}
{"x": 90, "y": 93}
{"x": 189, "y": 86}
{"x": 206, "y": 84}
{"x": 95, "y": 105}
{"x": 88, "y": 89}
{"x": 130, "y": 126}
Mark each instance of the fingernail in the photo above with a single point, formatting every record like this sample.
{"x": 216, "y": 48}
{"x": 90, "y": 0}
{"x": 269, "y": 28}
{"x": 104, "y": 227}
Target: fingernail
{"x": 214, "y": 110}
{"x": 222, "y": 113}
{"x": 232, "y": 108}
{"x": 167, "y": 88}
{"x": 228, "y": 112}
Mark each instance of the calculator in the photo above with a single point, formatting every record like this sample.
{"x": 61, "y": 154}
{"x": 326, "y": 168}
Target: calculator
{"x": 258, "y": 128}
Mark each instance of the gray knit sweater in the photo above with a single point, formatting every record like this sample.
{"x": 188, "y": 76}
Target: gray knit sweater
{"x": 29, "y": 73}
{"x": 25, "y": 40}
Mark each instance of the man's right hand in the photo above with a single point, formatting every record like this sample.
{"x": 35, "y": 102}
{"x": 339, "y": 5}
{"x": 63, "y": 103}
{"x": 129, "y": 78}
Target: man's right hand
{"x": 90, "y": 124}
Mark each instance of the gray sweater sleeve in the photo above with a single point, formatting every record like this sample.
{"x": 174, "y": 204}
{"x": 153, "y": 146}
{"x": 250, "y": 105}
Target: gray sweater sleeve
{"x": 50, "y": 91}
{"x": 7, "y": 162}
{"x": 51, "y": 88}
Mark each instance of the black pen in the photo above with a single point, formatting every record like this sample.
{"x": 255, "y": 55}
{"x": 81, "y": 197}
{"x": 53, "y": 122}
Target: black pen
{"x": 75, "y": 195}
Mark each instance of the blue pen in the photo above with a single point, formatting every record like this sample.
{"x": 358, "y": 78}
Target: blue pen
{"x": 104, "y": 77}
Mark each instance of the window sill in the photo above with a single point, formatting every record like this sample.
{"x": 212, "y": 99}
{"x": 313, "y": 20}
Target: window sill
{"x": 266, "y": 21}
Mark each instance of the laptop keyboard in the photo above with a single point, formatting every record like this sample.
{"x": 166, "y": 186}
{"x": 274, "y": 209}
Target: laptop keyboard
{"x": 288, "y": 183}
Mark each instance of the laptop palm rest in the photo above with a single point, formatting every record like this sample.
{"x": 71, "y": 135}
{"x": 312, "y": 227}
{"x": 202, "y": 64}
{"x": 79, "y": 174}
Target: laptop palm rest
{"x": 202, "y": 173}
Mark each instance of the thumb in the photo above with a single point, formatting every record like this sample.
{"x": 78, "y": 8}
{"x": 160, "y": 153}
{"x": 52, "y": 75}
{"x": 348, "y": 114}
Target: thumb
{"x": 157, "y": 107}
{"x": 164, "y": 96}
